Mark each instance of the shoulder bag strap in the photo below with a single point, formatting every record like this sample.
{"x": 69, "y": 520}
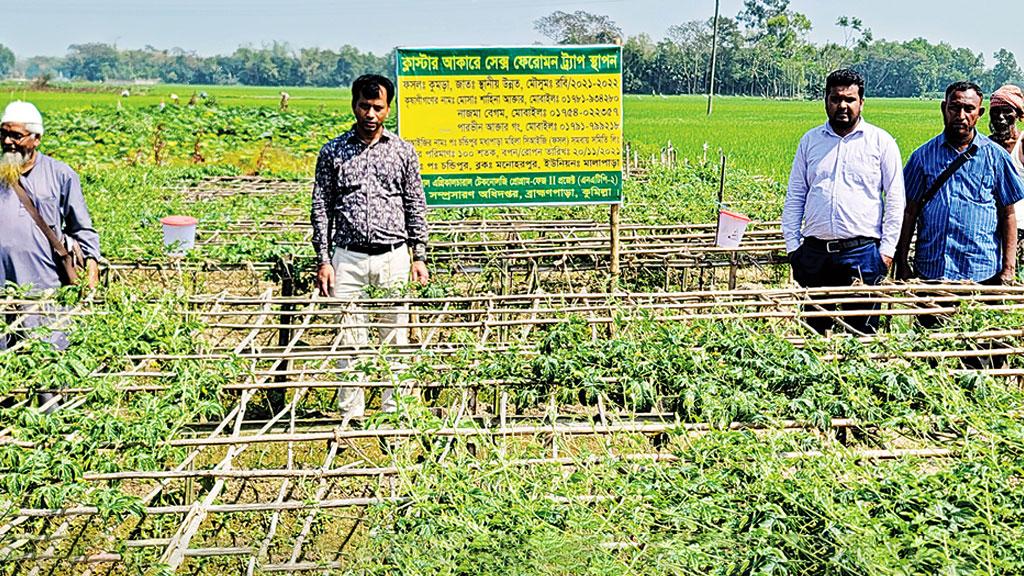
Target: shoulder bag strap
{"x": 916, "y": 208}
{"x": 947, "y": 173}
{"x": 55, "y": 242}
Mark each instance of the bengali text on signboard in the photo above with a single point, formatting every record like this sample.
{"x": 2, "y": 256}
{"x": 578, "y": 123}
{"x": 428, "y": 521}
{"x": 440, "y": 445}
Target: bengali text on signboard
{"x": 497, "y": 126}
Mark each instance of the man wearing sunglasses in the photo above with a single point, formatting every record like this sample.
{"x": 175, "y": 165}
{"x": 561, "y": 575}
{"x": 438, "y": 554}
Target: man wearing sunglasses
{"x": 26, "y": 256}
{"x": 53, "y": 190}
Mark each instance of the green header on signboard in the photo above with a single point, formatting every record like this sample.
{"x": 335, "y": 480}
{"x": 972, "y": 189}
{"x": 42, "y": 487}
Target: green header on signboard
{"x": 572, "y": 60}
{"x": 523, "y": 125}
{"x": 531, "y": 188}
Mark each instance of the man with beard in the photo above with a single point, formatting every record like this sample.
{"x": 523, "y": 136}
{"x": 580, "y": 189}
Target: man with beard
{"x": 26, "y": 256}
{"x": 966, "y": 227}
{"x": 845, "y": 199}
{"x": 1006, "y": 108}
{"x": 369, "y": 214}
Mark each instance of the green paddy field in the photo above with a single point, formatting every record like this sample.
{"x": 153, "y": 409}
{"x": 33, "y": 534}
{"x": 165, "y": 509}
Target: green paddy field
{"x": 758, "y": 135}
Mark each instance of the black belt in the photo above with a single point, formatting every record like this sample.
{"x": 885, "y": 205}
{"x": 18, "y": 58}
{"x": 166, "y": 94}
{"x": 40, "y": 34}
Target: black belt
{"x": 373, "y": 249}
{"x": 833, "y": 246}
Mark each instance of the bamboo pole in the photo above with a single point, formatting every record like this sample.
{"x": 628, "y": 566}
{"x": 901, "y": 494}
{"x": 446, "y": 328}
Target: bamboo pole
{"x": 282, "y": 493}
{"x": 339, "y": 434}
{"x": 174, "y": 554}
{"x": 704, "y": 295}
{"x": 762, "y": 315}
{"x": 614, "y": 231}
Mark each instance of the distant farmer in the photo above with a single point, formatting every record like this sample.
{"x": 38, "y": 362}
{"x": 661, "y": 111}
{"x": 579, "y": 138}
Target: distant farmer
{"x": 961, "y": 188}
{"x": 284, "y": 101}
{"x": 841, "y": 218}
{"x": 1006, "y": 108}
{"x": 369, "y": 215}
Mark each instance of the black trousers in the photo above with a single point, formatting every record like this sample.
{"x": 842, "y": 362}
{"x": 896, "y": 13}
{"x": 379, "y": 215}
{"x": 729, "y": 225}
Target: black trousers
{"x": 814, "y": 266}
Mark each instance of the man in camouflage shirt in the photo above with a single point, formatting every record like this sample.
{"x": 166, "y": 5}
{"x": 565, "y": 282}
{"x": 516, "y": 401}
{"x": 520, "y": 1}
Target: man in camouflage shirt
{"x": 368, "y": 216}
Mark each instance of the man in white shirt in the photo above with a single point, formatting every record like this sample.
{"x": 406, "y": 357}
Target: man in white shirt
{"x": 844, "y": 204}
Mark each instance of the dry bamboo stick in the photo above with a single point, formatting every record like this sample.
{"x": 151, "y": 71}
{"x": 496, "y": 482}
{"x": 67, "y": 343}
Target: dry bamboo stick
{"x": 218, "y": 508}
{"x": 174, "y": 554}
{"x": 339, "y": 434}
{"x": 114, "y": 557}
{"x": 321, "y": 491}
{"x": 318, "y": 352}
{"x": 262, "y": 437}
{"x": 475, "y": 384}
{"x": 763, "y": 315}
{"x": 276, "y": 517}
{"x": 709, "y": 295}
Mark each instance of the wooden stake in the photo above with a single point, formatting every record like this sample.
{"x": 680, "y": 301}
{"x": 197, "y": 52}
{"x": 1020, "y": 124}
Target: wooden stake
{"x": 721, "y": 198}
{"x": 613, "y": 221}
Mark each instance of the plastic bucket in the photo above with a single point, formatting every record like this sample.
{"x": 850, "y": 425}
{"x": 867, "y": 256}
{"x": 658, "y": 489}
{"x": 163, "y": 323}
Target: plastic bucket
{"x": 179, "y": 234}
{"x": 731, "y": 226}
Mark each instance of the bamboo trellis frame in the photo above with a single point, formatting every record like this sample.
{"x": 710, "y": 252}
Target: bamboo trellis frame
{"x": 249, "y": 328}
{"x": 227, "y": 315}
{"x": 298, "y": 356}
{"x": 522, "y": 249}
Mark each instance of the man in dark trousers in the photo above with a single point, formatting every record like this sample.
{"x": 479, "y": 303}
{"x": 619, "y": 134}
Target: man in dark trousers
{"x": 845, "y": 199}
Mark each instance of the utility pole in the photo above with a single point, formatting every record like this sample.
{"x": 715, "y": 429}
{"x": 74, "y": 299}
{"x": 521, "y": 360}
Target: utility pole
{"x": 714, "y": 58}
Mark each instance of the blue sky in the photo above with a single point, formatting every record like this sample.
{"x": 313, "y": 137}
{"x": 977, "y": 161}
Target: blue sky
{"x": 219, "y": 26}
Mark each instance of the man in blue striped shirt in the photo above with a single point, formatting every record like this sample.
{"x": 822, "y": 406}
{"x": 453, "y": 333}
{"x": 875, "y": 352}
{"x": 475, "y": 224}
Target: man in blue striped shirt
{"x": 968, "y": 230}
{"x": 844, "y": 203}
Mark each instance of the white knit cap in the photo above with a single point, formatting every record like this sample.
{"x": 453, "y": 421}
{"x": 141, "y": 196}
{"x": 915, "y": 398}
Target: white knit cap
{"x": 19, "y": 112}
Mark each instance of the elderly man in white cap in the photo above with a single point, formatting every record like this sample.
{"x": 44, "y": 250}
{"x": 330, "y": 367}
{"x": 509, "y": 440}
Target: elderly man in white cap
{"x": 26, "y": 257}
{"x": 26, "y": 254}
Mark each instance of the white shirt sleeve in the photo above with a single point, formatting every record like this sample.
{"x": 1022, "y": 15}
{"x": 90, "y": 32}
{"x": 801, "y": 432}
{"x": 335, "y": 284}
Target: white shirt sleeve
{"x": 895, "y": 196}
{"x": 796, "y": 198}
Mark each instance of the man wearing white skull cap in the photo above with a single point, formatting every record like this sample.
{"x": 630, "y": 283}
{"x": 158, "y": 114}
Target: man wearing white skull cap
{"x": 27, "y": 255}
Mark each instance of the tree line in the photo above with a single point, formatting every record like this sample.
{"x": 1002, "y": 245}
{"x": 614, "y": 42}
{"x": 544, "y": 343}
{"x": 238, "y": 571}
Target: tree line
{"x": 763, "y": 51}
{"x": 275, "y": 64}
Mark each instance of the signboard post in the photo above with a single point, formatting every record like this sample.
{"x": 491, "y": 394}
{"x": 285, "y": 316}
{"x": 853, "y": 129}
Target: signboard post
{"x": 515, "y": 126}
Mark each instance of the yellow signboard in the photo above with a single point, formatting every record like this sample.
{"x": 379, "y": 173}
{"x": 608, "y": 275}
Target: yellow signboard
{"x": 534, "y": 125}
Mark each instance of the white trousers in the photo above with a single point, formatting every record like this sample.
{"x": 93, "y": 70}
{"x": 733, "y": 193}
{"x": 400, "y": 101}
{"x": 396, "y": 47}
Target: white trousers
{"x": 354, "y": 271}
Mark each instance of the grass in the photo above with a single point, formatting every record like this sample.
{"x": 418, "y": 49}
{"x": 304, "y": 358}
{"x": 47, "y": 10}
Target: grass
{"x": 760, "y": 136}
{"x": 83, "y": 95}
